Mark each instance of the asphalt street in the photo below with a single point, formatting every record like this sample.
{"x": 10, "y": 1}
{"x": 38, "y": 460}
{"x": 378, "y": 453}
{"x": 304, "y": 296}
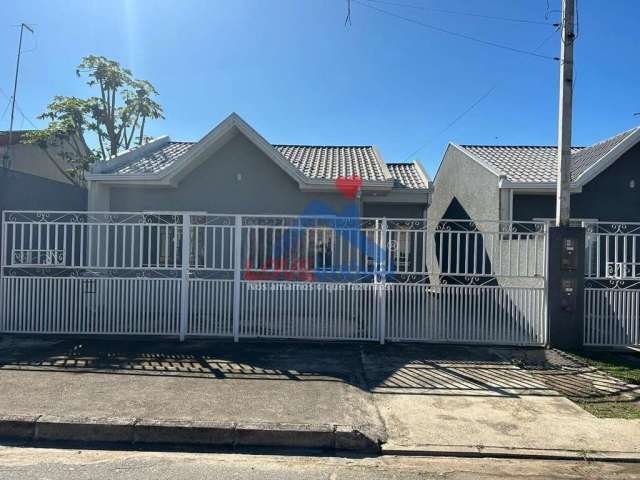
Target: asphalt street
{"x": 69, "y": 464}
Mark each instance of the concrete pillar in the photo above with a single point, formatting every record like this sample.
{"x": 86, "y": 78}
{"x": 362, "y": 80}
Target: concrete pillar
{"x": 566, "y": 286}
{"x": 99, "y": 197}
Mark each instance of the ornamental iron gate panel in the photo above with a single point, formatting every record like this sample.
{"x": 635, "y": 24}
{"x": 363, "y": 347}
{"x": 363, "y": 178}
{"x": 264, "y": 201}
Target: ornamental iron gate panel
{"x": 330, "y": 278}
{"x": 612, "y": 284}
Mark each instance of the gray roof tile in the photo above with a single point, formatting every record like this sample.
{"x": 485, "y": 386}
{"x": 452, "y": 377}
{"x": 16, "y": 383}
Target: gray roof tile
{"x": 156, "y": 161}
{"x": 321, "y": 162}
{"x": 519, "y": 163}
{"x": 406, "y": 175}
{"x": 586, "y": 157}
{"x": 535, "y": 164}
{"x": 331, "y": 162}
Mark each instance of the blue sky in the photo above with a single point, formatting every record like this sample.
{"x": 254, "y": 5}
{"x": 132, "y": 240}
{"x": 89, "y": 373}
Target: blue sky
{"x": 295, "y": 72}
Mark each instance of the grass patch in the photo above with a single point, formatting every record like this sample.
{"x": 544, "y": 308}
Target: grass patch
{"x": 611, "y": 409}
{"x": 623, "y": 366}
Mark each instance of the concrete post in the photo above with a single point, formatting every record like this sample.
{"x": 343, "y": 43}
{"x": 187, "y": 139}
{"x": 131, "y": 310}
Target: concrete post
{"x": 563, "y": 196}
{"x": 382, "y": 281}
{"x": 566, "y": 286}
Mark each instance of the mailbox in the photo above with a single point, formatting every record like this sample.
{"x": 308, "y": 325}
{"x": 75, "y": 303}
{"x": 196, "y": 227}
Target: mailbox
{"x": 569, "y": 257}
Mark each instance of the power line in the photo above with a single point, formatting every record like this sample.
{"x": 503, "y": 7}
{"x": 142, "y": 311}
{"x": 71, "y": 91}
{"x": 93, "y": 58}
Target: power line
{"x": 455, "y": 34}
{"x": 454, "y": 121}
{"x": 467, "y": 14}
{"x": 471, "y": 107}
{"x": 4, "y": 112}
{"x": 347, "y": 21}
{"x": 19, "y": 110}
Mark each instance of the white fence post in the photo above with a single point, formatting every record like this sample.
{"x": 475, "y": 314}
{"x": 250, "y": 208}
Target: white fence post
{"x": 3, "y": 253}
{"x": 237, "y": 270}
{"x": 382, "y": 287}
{"x": 545, "y": 297}
{"x": 184, "y": 287}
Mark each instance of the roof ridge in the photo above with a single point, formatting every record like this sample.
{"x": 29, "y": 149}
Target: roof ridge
{"x": 625, "y": 132}
{"x": 515, "y": 146}
{"x": 319, "y": 146}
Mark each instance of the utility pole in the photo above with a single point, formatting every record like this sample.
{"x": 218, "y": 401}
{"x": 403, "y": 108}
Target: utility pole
{"x": 15, "y": 87}
{"x": 563, "y": 196}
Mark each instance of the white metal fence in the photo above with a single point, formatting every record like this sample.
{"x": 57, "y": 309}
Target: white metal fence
{"x": 241, "y": 276}
{"x": 612, "y": 288}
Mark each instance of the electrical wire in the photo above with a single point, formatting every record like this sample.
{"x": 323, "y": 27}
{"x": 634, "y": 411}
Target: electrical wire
{"x": 471, "y": 107}
{"x": 467, "y": 14}
{"x": 454, "y": 34}
{"x": 4, "y": 112}
{"x": 454, "y": 121}
{"x": 347, "y": 20}
{"x": 19, "y": 110}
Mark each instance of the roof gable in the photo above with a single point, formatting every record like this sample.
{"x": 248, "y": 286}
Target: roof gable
{"x": 536, "y": 165}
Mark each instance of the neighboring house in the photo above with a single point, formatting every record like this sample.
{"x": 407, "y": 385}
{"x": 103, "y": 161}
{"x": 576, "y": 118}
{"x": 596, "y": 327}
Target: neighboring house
{"x": 234, "y": 170}
{"x": 31, "y": 159}
{"x": 32, "y": 180}
{"x": 495, "y": 182}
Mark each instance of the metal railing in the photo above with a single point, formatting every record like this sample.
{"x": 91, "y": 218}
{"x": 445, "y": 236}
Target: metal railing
{"x": 612, "y": 284}
{"x": 169, "y": 273}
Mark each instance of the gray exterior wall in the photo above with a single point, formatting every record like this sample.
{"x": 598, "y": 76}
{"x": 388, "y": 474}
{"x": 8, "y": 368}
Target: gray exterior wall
{"x": 213, "y": 187}
{"x": 606, "y": 197}
{"x": 390, "y": 210}
{"x": 476, "y": 189}
{"x": 21, "y": 191}
{"x": 33, "y": 160}
{"x": 528, "y": 206}
{"x": 474, "y": 186}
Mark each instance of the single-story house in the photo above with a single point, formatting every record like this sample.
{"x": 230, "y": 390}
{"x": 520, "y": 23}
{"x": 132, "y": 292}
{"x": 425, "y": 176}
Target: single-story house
{"x": 518, "y": 182}
{"x": 234, "y": 170}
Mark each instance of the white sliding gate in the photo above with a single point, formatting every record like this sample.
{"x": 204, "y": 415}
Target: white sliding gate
{"x": 612, "y": 284}
{"x": 241, "y": 276}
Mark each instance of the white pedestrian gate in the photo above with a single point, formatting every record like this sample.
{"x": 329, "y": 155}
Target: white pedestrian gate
{"x": 612, "y": 284}
{"x": 237, "y": 276}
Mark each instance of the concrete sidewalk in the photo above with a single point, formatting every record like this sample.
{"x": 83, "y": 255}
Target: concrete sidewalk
{"x": 411, "y": 399}
{"x": 273, "y": 391}
{"x": 455, "y": 402}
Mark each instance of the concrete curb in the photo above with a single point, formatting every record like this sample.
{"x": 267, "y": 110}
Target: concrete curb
{"x": 187, "y": 432}
{"x": 19, "y": 427}
{"x": 503, "y": 452}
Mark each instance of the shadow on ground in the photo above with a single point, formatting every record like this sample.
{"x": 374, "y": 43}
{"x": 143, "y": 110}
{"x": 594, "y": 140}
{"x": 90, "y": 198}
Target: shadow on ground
{"x": 571, "y": 377}
{"x": 383, "y": 369}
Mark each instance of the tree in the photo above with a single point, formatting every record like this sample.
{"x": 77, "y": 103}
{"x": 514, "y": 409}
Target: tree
{"x": 116, "y": 117}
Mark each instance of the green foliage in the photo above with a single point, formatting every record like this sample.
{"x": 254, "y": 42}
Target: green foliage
{"x": 116, "y": 116}
{"x": 623, "y": 366}
{"x": 612, "y": 409}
